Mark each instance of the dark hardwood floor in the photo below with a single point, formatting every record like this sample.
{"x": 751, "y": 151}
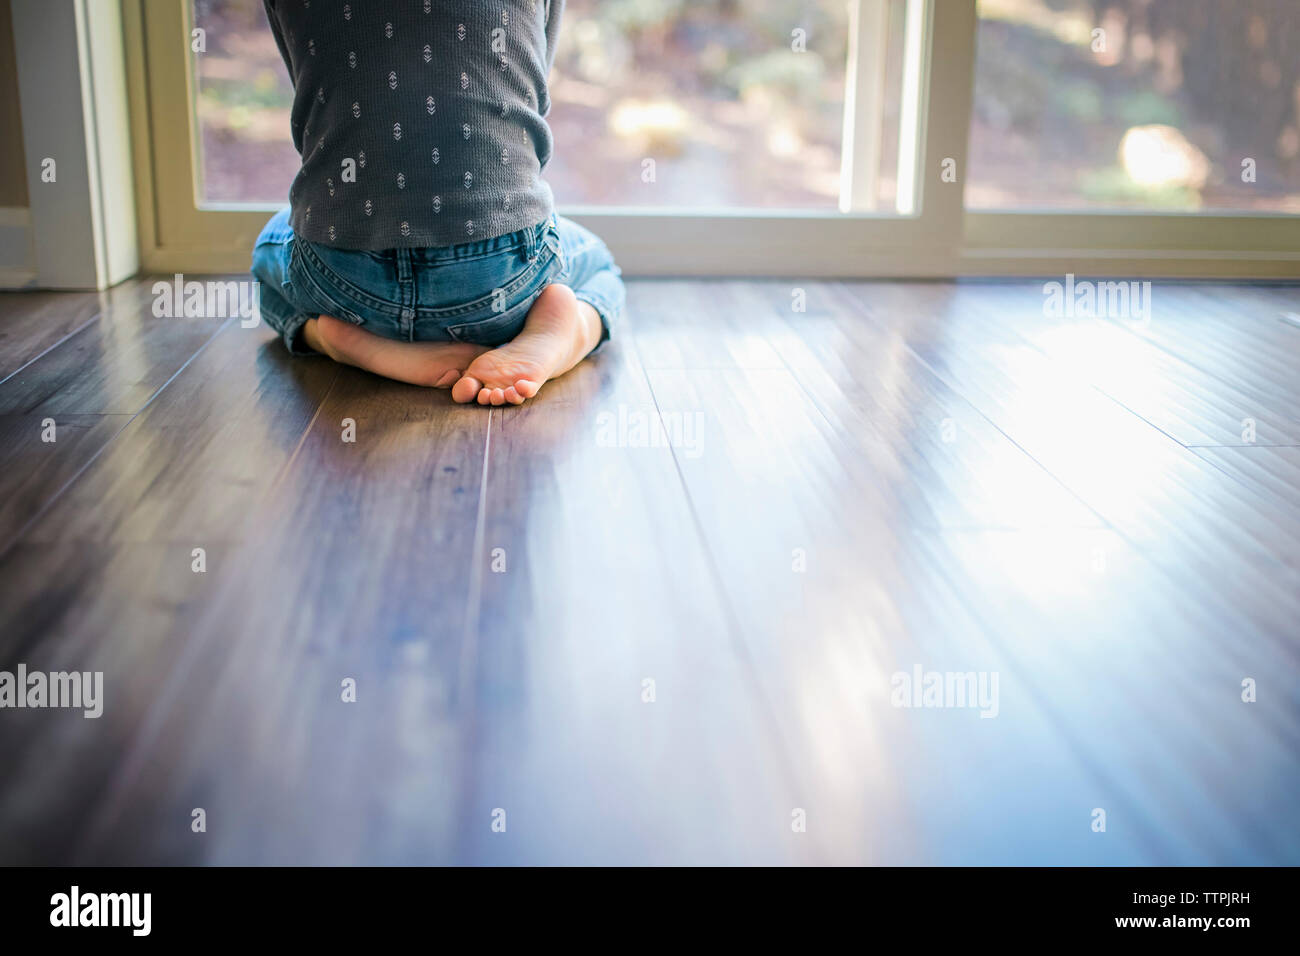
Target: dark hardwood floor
{"x": 655, "y": 616}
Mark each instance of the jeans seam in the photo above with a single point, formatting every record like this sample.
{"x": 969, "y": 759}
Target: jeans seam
{"x": 346, "y": 287}
{"x": 469, "y": 308}
{"x": 443, "y": 260}
{"x": 455, "y": 331}
{"x": 290, "y": 334}
{"x": 527, "y": 303}
{"x": 603, "y": 306}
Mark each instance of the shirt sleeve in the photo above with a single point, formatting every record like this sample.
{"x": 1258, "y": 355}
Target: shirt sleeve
{"x": 276, "y": 31}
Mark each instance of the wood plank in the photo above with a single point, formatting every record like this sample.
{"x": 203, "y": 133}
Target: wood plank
{"x": 193, "y": 465}
{"x": 676, "y": 311}
{"x": 359, "y": 570}
{"x": 1134, "y": 476}
{"x": 1224, "y": 553}
{"x": 1268, "y": 479}
{"x": 909, "y": 438}
{"x": 593, "y": 580}
{"x": 1235, "y": 331}
{"x": 1228, "y": 549}
{"x": 827, "y": 640}
{"x": 33, "y": 471}
{"x": 33, "y": 322}
{"x": 1146, "y": 678}
{"x": 1266, "y": 626}
{"x": 89, "y": 383}
{"x": 112, "y": 366}
{"x": 1203, "y": 401}
{"x": 806, "y": 533}
{"x": 123, "y": 610}
{"x": 105, "y": 578}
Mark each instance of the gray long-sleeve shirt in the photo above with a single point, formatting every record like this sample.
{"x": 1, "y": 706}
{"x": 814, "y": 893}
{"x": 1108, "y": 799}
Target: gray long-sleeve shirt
{"x": 419, "y": 122}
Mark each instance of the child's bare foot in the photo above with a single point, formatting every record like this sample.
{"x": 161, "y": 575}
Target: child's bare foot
{"x": 433, "y": 364}
{"x": 557, "y": 335}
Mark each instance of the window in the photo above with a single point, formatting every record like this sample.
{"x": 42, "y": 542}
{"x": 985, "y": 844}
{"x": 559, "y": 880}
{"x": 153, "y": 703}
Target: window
{"x": 242, "y": 101}
{"x": 717, "y": 101}
{"x": 815, "y": 137}
{"x": 1179, "y": 105}
{"x": 701, "y": 104}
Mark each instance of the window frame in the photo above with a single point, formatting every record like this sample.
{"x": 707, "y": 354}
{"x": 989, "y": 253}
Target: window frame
{"x": 939, "y": 239}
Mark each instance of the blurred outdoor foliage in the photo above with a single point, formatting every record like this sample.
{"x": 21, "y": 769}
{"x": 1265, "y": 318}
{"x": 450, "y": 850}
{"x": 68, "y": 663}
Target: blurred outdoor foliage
{"x": 715, "y": 93}
{"x": 1162, "y": 116}
{"x": 710, "y": 89}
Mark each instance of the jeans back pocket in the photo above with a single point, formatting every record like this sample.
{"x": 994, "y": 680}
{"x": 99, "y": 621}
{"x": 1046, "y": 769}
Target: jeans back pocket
{"x": 494, "y": 300}
{"x": 353, "y": 285}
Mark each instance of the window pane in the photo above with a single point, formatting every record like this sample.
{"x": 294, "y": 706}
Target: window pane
{"x": 244, "y": 95}
{"x": 711, "y": 93}
{"x": 738, "y": 103}
{"x": 1166, "y": 105}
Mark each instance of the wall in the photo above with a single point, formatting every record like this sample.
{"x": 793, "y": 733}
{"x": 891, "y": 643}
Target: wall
{"x": 13, "y": 175}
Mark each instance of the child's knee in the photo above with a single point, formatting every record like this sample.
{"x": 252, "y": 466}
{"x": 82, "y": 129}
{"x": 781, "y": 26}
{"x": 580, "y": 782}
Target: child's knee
{"x": 264, "y": 266}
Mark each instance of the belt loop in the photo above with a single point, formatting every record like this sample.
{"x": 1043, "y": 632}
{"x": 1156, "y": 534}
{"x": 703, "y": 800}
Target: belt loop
{"x": 406, "y": 294}
{"x": 530, "y": 242}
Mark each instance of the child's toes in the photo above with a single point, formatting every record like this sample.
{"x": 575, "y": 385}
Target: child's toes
{"x": 513, "y": 397}
{"x": 485, "y": 396}
{"x": 466, "y": 389}
{"x": 526, "y": 388}
{"x": 498, "y": 396}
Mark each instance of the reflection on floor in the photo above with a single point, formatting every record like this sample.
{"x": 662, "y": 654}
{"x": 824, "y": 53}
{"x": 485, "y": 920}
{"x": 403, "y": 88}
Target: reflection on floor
{"x": 919, "y": 574}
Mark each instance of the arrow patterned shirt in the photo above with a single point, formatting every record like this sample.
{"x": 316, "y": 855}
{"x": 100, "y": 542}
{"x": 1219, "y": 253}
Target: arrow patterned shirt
{"x": 419, "y": 122}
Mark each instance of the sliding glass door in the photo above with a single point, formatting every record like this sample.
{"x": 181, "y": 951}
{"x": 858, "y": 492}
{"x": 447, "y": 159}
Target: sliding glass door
{"x": 812, "y": 137}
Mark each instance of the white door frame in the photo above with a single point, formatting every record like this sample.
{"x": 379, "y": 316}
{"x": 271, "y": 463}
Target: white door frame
{"x": 72, "y": 92}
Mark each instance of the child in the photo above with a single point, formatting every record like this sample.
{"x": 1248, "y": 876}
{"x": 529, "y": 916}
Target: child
{"x": 421, "y": 242}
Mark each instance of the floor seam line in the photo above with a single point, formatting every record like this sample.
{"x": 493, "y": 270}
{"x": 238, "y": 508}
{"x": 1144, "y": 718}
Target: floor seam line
{"x": 46, "y": 351}
{"x": 467, "y": 665}
{"x": 734, "y": 629}
{"x": 58, "y": 495}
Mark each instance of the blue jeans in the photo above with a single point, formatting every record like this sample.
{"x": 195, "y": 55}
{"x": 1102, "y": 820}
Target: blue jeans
{"x": 478, "y": 292}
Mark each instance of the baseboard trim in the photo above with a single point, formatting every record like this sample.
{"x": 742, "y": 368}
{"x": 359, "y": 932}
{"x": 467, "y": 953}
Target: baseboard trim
{"x": 17, "y": 278}
{"x": 17, "y": 263}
